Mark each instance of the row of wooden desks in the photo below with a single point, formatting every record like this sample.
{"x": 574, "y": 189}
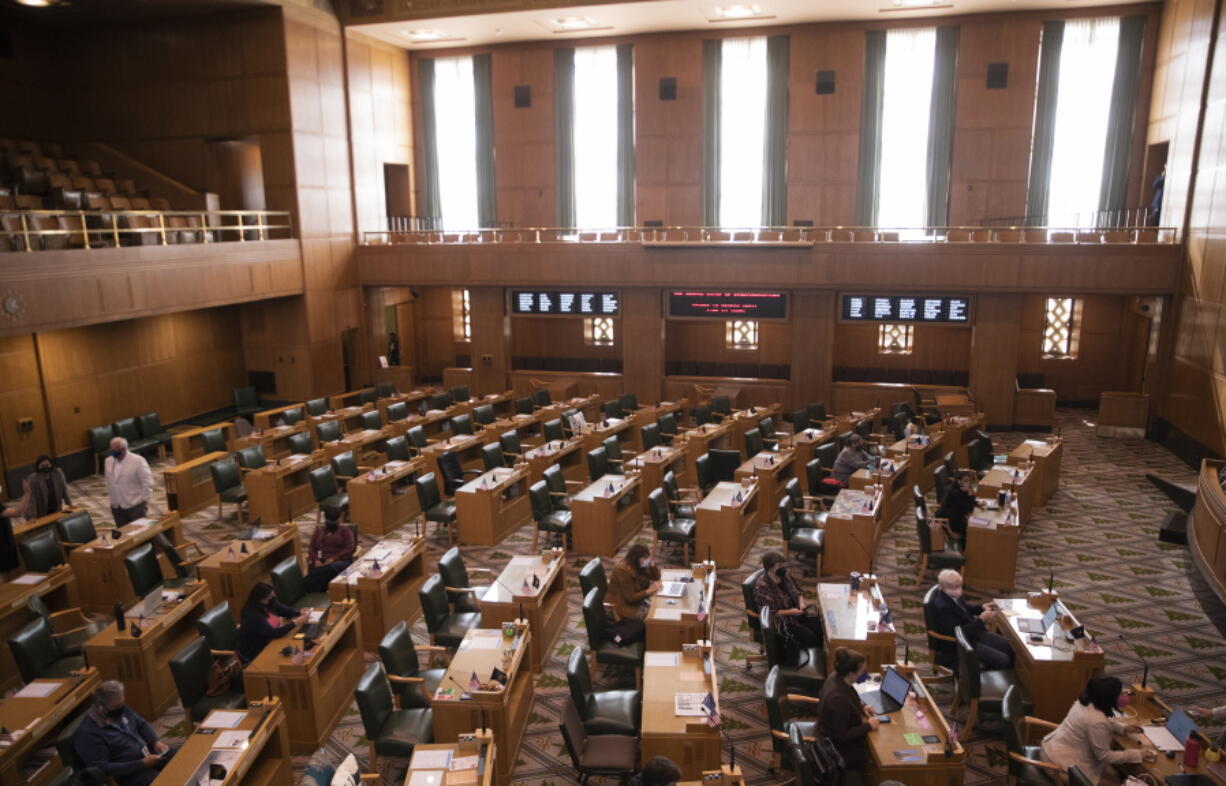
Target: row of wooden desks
{"x": 606, "y": 514}
{"x": 58, "y": 589}
{"x": 34, "y": 716}
{"x": 673, "y": 622}
{"x": 771, "y": 469}
{"x": 531, "y": 588}
{"x": 1046, "y": 455}
{"x": 231, "y": 572}
{"x": 384, "y": 499}
{"x": 492, "y": 505}
{"x": 384, "y": 581}
{"x": 893, "y": 477}
{"x": 687, "y": 739}
{"x": 727, "y": 521}
{"x": 250, "y": 746}
{"x": 925, "y": 453}
{"x": 99, "y": 567}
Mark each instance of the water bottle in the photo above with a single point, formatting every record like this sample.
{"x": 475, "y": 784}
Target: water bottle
{"x": 119, "y": 622}
{"x": 1191, "y": 752}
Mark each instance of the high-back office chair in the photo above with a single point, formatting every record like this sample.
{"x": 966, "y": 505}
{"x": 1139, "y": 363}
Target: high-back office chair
{"x": 128, "y": 429}
{"x": 40, "y": 553}
{"x": 385, "y": 390}
{"x": 511, "y": 446}
{"x": 557, "y": 485}
{"x": 328, "y": 431}
{"x": 806, "y": 671}
{"x": 668, "y": 427}
{"x": 228, "y": 483}
{"x": 397, "y": 412}
{"x": 397, "y": 449}
{"x": 568, "y": 421}
{"x": 541, "y": 397}
{"x": 617, "y": 457}
{"x": 70, "y": 626}
{"x": 433, "y": 507}
{"x": 948, "y": 557}
{"x": 650, "y": 435}
{"x": 292, "y": 416}
{"x": 332, "y": 502}
{"x": 706, "y": 474}
{"x": 724, "y": 464}
{"x": 316, "y": 407}
{"x": 413, "y": 685}
{"x": 796, "y": 538}
{"x": 214, "y": 441}
{"x": 290, "y": 586}
{"x": 629, "y": 403}
{"x": 301, "y": 444}
{"x": 982, "y": 689}
{"x": 701, "y": 414}
{"x": 144, "y": 572}
{"x": 667, "y": 528}
{"x": 721, "y": 406}
{"x": 751, "y": 617}
{"x": 554, "y": 522}
{"x": 523, "y": 405}
{"x": 604, "y": 755}
{"x": 606, "y": 711}
{"x": 367, "y": 396}
{"x": 942, "y": 648}
{"x": 190, "y": 668}
{"x": 461, "y": 425}
{"x": 483, "y": 415}
{"x": 74, "y": 529}
{"x": 390, "y": 732}
{"x": 372, "y": 420}
{"x": 440, "y": 401}
{"x": 592, "y": 575}
{"x": 770, "y": 437}
{"x": 461, "y": 593}
{"x": 611, "y": 409}
{"x": 345, "y": 468}
{"x": 460, "y": 393}
{"x": 601, "y": 647}
{"x": 250, "y": 458}
{"x": 40, "y": 654}
{"x": 491, "y": 456}
{"x": 151, "y": 431}
{"x": 1026, "y": 765}
{"x": 681, "y": 501}
{"x": 780, "y": 715}
{"x": 553, "y": 431}
{"x": 417, "y": 438}
{"x": 454, "y": 474}
{"x": 219, "y": 630}
{"x": 447, "y": 628}
{"x": 598, "y": 464}
{"x": 753, "y": 442}
{"x": 246, "y": 402}
{"x": 100, "y": 442}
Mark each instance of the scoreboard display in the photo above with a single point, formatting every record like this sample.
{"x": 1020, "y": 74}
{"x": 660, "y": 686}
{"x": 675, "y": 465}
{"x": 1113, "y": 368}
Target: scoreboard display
{"x": 929, "y": 309}
{"x": 727, "y": 304}
{"x": 564, "y": 303}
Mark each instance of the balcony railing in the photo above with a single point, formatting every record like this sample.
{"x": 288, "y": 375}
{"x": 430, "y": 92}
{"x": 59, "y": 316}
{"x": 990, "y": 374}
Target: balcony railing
{"x": 778, "y": 236}
{"x": 45, "y": 230}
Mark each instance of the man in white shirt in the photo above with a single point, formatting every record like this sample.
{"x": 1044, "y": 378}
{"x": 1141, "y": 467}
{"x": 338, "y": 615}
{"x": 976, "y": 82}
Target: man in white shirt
{"x": 128, "y": 483}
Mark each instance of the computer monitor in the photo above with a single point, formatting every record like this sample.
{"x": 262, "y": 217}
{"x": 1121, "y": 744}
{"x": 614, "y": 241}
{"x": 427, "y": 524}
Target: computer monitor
{"x": 895, "y": 685}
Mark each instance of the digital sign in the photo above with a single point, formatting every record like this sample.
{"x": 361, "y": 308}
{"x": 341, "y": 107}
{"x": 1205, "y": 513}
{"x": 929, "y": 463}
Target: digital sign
{"x": 945, "y": 309}
{"x": 555, "y": 302}
{"x": 727, "y": 305}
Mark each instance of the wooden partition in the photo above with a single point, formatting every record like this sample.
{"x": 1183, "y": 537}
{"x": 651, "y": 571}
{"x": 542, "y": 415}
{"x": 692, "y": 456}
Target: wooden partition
{"x": 1207, "y": 527}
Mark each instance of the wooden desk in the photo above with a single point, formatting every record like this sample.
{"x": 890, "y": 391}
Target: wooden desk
{"x": 38, "y": 719}
{"x": 269, "y": 417}
{"x": 383, "y": 500}
{"x": 58, "y": 589}
{"x": 925, "y": 456}
{"x": 1149, "y": 706}
{"x": 189, "y": 484}
{"x": 493, "y": 505}
{"x": 274, "y": 441}
{"x": 567, "y": 455}
{"x": 231, "y": 573}
{"x": 317, "y": 692}
{"x": 992, "y": 538}
{"x": 140, "y": 663}
{"x": 264, "y": 761}
{"x": 23, "y": 530}
{"x": 853, "y": 620}
{"x": 102, "y": 579}
{"x": 933, "y": 769}
{"x": 727, "y": 522}
{"x": 476, "y": 743}
{"x": 350, "y": 418}
{"x": 772, "y": 470}
{"x": 897, "y": 496}
{"x": 594, "y": 435}
{"x": 649, "y": 413}
{"x": 852, "y": 528}
{"x": 959, "y": 430}
{"x": 672, "y": 622}
{"x": 544, "y": 607}
{"x": 849, "y": 421}
{"x": 653, "y": 464}
{"x": 389, "y": 594}
{"x": 1046, "y": 455}
{"x": 689, "y": 741}
{"x": 747, "y": 419}
{"x": 588, "y": 405}
{"x": 606, "y": 514}
{"x": 187, "y": 444}
{"x": 1022, "y": 481}
{"x": 528, "y": 427}
{"x": 467, "y": 448}
{"x": 804, "y": 448}
{"x": 1053, "y": 675}
{"x": 351, "y": 398}
{"x": 366, "y": 445}
{"x": 281, "y": 491}
{"x": 411, "y": 399}
{"x": 505, "y": 709}
{"x": 697, "y": 441}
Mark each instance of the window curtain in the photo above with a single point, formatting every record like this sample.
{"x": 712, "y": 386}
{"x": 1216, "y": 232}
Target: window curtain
{"x": 625, "y": 135}
{"x": 429, "y": 207}
{"x": 1122, "y": 115}
{"x": 941, "y": 126}
{"x": 487, "y": 212}
{"x": 870, "y": 128}
{"x": 1044, "y": 123}
{"x": 711, "y": 60}
{"x": 775, "y": 147}
{"x": 910, "y": 57}
{"x": 564, "y": 127}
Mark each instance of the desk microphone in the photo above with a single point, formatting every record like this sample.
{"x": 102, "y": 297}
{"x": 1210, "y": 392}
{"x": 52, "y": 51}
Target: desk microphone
{"x": 906, "y": 654}
{"x": 1051, "y": 579}
{"x": 463, "y": 690}
{"x": 1144, "y": 663}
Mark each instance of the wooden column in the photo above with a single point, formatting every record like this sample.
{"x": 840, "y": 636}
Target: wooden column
{"x": 490, "y": 340}
{"x": 642, "y": 343}
{"x": 813, "y": 314}
{"x": 994, "y": 355}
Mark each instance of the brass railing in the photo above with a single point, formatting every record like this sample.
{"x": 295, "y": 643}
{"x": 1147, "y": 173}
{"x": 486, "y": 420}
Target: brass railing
{"x": 778, "y": 236}
{"x": 39, "y": 230}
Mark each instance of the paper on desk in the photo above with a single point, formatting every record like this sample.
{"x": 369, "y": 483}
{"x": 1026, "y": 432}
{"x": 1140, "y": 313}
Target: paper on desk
{"x": 314, "y": 615}
{"x": 294, "y": 458}
{"x": 263, "y": 534}
{"x": 463, "y": 763}
{"x": 38, "y": 690}
{"x": 668, "y": 615}
{"x": 29, "y": 578}
{"x": 484, "y": 643}
{"x": 979, "y": 521}
{"x": 426, "y": 778}
{"x": 223, "y": 720}
{"x": 687, "y": 704}
{"x": 1036, "y": 442}
{"x": 527, "y": 561}
{"x": 140, "y": 523}
{"x": 430, "y": 760}
{"x": 661, "y": 659}
{"x": 231, "y": 739}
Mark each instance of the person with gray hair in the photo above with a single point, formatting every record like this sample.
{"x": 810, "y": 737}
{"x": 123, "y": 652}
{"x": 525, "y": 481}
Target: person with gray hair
{"x": 129, "y": 483}
{"x": 117, "y": 741}
{"x": 951, "y": 611}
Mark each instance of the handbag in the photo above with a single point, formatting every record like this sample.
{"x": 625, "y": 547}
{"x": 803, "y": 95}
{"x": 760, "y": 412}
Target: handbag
{"x": 828, "y": 765}
{"x": 220, "y": 676}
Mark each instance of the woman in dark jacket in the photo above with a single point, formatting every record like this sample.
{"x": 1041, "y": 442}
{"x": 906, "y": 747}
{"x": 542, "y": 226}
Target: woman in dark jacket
{"x": 264, "y": 619}
{"x": 843, "y": 718}
{"x": 959, "y": 503}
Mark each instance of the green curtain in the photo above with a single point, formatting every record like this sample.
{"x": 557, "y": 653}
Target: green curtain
{"x": 625, "y": 135}
{"x": 775, "y": 147}
{"x": 941, "y": 126}
{"x": 1122, "y": 115}
{"x": 1044, "y": 123}
{"x": 712, "y": 55}
{"x": 869, "y": 166}
{"x": 429, "y": 207}
{"x": 564, "y": 130}
{"x": 487, "y": 211}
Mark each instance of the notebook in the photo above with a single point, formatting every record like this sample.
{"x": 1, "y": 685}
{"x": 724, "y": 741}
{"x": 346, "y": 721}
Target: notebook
{"x": 672, "y": 589}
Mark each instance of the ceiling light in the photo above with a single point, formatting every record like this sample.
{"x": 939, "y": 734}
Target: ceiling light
{"x": 573, "y": 23}
{"x": 37, "y": 3}
{"x": 898, "y": 5}
{"x": 737, "y": 11}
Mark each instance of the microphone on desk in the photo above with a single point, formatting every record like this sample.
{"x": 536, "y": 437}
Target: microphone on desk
{"x": 708, "y": 552}
{"x": 1051, "y": 580}
{"x": 906, "y": 654}
{"x": 463, "y": 690}
{"x": 1144, "y": 662}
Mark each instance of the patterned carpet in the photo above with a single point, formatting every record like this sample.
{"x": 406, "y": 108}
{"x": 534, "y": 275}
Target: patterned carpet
{"x": 1099, "y": 535}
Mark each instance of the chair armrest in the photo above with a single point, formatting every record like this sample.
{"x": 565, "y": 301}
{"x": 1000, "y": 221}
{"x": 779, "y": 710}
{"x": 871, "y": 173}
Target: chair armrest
{"x": 575, "y": 483}
{"x": 406, "y": 680}
{"x": 940, "y": 636}
{"x": 70, "y": 631}
{"x": 1044, "y": 764}
{"x": 73, "y": 617}
{"x": 486, "y": 571}
{"x": 340, "y": 477}
{"x": 430, "y": 648}
{"x": 463, "y": 589}
{"x": 561, "y": 494}
{"x": 222, "y": 653}
{"x": 476, "y": 473}
{"x": 1030, "y": 720}
{"x": 374, "y": 776}
{"x": 691, "y": 490}
{"x": 804, "y": 699}
{"x": 753, "y": 614}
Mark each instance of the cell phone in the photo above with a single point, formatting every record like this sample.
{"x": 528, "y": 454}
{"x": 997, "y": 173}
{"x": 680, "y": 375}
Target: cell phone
{"x": 163, "y": 754}
{"x": 883, "y": 718}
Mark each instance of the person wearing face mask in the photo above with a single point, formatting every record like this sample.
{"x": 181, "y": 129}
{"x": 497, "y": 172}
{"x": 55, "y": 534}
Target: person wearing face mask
{"x": 264, "y": 619}
{"x": 1085, "y": 735}
{"x": 959, "y": 502}
{"x": 119, "y": 742}
{"x": 632, "y": 582}
{"x": 46, "y": 490}
{"x": 851, "y": 458}
{"x": 843, "y": 718}
{"x": 330, "y": 552}
{"x": 777, "y": 590}
{"x": 951, "y": 611}
{"x": 129, "y": 483}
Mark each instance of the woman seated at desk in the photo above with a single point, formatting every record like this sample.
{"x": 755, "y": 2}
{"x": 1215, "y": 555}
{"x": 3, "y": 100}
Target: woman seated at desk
{"x": 330, "y": 552}
{"x": 851, "y": 458}
{"x": 959, "y": 503}
{"x": 633, "y": 581}
{"x": 264, "y": 619}
{"x": 843, "y": 718}
{"x": 778, "y": 591}
{"x": 1084, "y": 737}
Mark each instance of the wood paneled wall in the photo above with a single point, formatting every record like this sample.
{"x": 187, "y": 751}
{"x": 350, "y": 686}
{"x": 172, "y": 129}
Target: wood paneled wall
{"x": 668, "y": 134}
{"x": 21, "y": 396}
{"x": 937, "y": 348}
{"x": 704, "y": 341}
{"x": 27, "y": 79}
{"x": 523, "y": 171}
{"x": 560, "y": 337}
{"x": 1102, "y": 349}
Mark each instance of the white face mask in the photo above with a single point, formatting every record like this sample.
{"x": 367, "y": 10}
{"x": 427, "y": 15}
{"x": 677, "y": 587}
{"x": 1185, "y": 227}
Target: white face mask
{"x": 645, "y": 563}
{"x": 954, "y": 592}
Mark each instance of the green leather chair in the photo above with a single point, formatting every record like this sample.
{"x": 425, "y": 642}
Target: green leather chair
{"x": 329, "y": 431}
{"x": 100, "y": 441}
{"x": 447, "y": 629}
{"x": 292, "y": 417}
{"x": 598, "y": 464}
{"x": 780, "y": 714}
{"x": 613, "y": 449}
{"x": 766, "y": 427}
{"x": 290, "y": 585}
{"x": 555, "y": 522}
{"x": 511, "y": 446}
{"x": 41, "y": 553}
{"x": 557, "y": 484}
{"x": 452, "y": 472}
{"x": 39, "y": 654}
{"x": 413, "y": 685}
{"x": 806, "y": 672}
{"x": 983, "y": 690}
{"x": 668, "y": 427}
{"x": 316, "y": 407}
{"x": 461, "y": 593}
{"x": 930, "y": 558}
{"x": 385, "y": 390}
{"x": 372, "y": 420}
{"x": 331, "y": 500}
{"x": 681, "y": 502}
{"x": 748, "y": 585}
{"x": 151, "y": 430}
{"x": 799, "y": 419}
{"x": 721, "y": 406}
{"x": 397, "y": 412}
{"x": 754, "y": 443}
{"x": 1026, "y": 765}
{"x": 651, "y": 436}
{"x": 246, "y": 402}
{"x": 252, "y": 457}
{"x": 541, "y": 397}
{"x": 553, "y": 430}
{"x": 461, "y": 424}
{"x": 345, "y": 468}
{"x": 190, "y": 668}
{"x": 219, "y": 630}
{"x": 799, "y": 538}
{"x": 1077, "y": 778}
{"x": 442, "y": 512}
{"x": 214, "y": 441}
{"x": 144, "y": 572}
{"x": 483, "y": 415}
{"x": 460, "y": 393}
{"x": 601, "y": 645}
{"x": 701, "y": 414}
{"x": 128, "y": 429}
{"x": 667, "y": 528}
{"x": 397, "y": 449}
{"x": 301, "y": 443}
{"x": 368, "y": 396}
{"x": 604, "y": 755}
{"x": 817, "y": 413}
{"x": 440, "y": 401}
{"x": 592, "y": 575}
{"x": 705, "y": 473}
{"x": 806, "y": 516}
{"x": 491, "y": 456}
{"x": 391, "y": 732}
{"x": 75, "y": 772}
{"x": 70, "y": 626}
{"x": 611, "y": 409}
{"x": 74, "y": 529}
{"x": 228, "y": 483}
{"x": 606, "y": 711}
{"x": 417, "y": 438}
{"x": 629, "y": 403}
{"x": 523, "y": 405}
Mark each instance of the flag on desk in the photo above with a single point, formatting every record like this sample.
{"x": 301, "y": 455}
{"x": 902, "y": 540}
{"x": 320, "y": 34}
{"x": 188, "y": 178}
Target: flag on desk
{"x": 701, "y": 614}
{"x": 526, "y": 589}
{"x": 708, "y": 705}
{"x": 474, "y": 683}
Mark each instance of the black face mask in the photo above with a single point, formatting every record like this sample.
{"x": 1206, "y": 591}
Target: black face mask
{"x": 780, "y": 573}
{"x": 46, "y": 469}
{"x": 116, "y": 712}
{"x": 332, "y": 526}
{"x": 268, "y": 604}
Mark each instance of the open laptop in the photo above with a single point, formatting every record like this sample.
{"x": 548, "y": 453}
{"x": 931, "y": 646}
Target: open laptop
{"x": 891, "y": 696}
{"x": 148, "y": 607}
{"x": 1174, "y": 735}
{"x": 1039, "y": 627}
{"x": 314, "y": 630}
{"x": 672, "y": 589}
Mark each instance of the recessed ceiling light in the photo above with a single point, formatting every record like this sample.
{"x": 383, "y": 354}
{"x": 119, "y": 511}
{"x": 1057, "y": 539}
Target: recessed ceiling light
{"x": 37, "y": 3}
{"x": 425, "y": 34}
{"x": 573, "y": 23}
{"x": 737, "y": 11}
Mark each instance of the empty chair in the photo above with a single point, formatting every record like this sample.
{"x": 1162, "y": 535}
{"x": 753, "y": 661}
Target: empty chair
{"x": 328, "y": 431}
{"x": 666, "y": 527}
{"x": 367, "y": 396}
{"x": 316, "y": 407}
{"x": 332, "y": 502}
{"x": 701, "y": 414}
{"x": 144, "y": 572}
{"x": 292, "y": 416}
{"x": 40, "y": 553}
{"x": 461, "y": 425}
{"x": 100, "y": 442}
{"x": 613, "y": 449}
{"x": 557, "y": 484}
{"x": 780, "y": 714}
{"x": 553, "y": 431}
{"x": 541, "y": 397}
{"x": 753, "y": 442}
{"x": 805, "y": 671}
{"x": 510, "y": 445}
{"x": 766, "y": 427}
{"x": 805, "y": 514}
{"x": 290, "y": 585}
{"x": 461, "y": 593}
{"x": 724, "y": 464}
{"x": 301, "y": 444}
{"x": 460, "y": 393}
{"x": 213, "y": 441}
{"x": 681, "y": 501}
{"x": 246, "y": 402}
{"x": 151, "y": 430}
{"x": 603, "y": 712}
{"x": 228, "y": 483}
{"x": 1025, "y": 762}
{"x": 705, "y": 473}
{"x": 523, "y": 405}
{"x": 252, "y": 457}
{"x": 345, "y": 468}
{"x": 668, "y": 427}
{"x": 601, "y": 646}
{"x": 453, "y": 473}
{"x": 219, "y": 630}
{"x": 128, "y": 429}
{"x": 70, "y": 626}
{"x": 592, "y": 575}
{"x": 417, "y": 438}
{"x": 598, "y": 464}
{"x": 554, "y": 522}
{"x": 447, "y": 628}
{"x": 491, "y": 456}
{"x": 412, "y": 684}
{"x": 483, "y": 415}
{"x": 440, "y": 401}
{"x": 39, "y": 653}
{"x": 397, "y": 412}
{"x": 372, "y": 420}
{"x": 611, "y": 409}
{"x": 190, "y": 669}
{"x": 806, "y": 540}
{"x": 433, "y": 506}
{"x": 982, "y": 689}
{"x": 397, "y": 449}
{"x": 721, "y": 406}
{"x": 74, "y": 529}
{"x": 391, "y": 732}
{"x": 600, "y": 755}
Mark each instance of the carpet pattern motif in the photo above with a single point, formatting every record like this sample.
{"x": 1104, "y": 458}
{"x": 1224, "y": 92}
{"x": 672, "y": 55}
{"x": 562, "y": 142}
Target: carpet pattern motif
{"x": 1098, "y": 534}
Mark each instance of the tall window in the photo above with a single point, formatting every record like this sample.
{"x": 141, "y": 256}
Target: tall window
{"x": 741, "y": 334}
{"x": 1083, "y": 103}
{"x": 455, "y": 122}
{"x": 1060, "y": 328}
{"x": 742, "y": 129}
{"x": 595, "y": 140}
{"x": 461, "y": 315}
{"x": 906, "y": 104}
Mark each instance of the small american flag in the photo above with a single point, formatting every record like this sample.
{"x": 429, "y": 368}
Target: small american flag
{"x": 701, "y": 614}
{"x": 474, "y": 683}
{"x": 708, "y": 704}
{"x": 526, "y": 589}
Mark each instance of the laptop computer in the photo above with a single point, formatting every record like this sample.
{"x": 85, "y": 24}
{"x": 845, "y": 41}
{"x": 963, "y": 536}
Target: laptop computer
{"x": 148, "y": 607}
{"x": 672, "y": 589}
{"x": 1038, "y": 627}
{"x": 313, "y": 630}
{"x": 891, "y": 696}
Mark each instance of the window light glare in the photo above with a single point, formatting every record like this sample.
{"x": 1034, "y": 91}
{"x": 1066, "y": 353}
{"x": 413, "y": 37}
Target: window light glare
{"x": 738, "y": 11}
{"x": 428, "y": 34}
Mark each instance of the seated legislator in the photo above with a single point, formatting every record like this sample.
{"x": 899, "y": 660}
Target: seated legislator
{"x": 959, "y": 503}
{"x": 120, "y": 743}
{"x": 843, "y": 718}
{"x": 264, "y": 619}
{"x": 777, "y": 590}
{"x": 330, "y": 552}
{"x": 852, "y": 457}
{"x": 952, "y": 610}
{"x": 632, "y": 582}
{"x": 1084, "y": 737}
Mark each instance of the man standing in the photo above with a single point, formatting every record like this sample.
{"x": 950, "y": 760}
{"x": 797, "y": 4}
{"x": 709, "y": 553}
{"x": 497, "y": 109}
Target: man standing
{"x": 113, "y": 738}
{"x": 128, "y": 483}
